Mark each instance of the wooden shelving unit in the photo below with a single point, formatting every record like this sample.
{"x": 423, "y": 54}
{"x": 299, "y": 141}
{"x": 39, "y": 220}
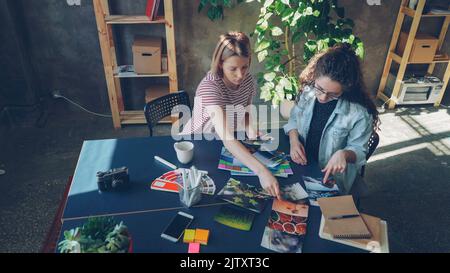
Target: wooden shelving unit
{"x": 105, "y": 23}
{"x": 403, "y": 61}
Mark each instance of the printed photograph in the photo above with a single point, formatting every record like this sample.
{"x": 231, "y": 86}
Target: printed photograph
{"x": 314, "y": 195}
{"x": 281, "y": 242}
{"x": 290, "y": 208}
{"x": 287, "y": 223}
{"x": 244, "y": 195}
{"x": 293, "y": 193}
{"x": 316, "y": 184}
{"x": 235, "y": 218}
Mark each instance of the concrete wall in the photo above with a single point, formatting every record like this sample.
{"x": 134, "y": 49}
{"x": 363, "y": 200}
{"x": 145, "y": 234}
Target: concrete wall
{"x": 64, "y": 47}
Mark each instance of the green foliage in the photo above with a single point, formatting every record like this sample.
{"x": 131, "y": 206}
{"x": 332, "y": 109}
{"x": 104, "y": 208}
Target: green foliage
{"x": 215, "y": 7}
{"x": 97, "y": 235}
{"x": 284, "y": 24}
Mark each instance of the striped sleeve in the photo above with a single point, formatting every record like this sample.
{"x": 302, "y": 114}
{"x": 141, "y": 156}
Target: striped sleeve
{"x": 252, "y": 91}
{"x": 210, "y": 93}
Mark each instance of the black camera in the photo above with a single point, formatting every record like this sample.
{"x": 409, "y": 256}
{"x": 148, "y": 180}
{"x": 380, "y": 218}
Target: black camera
{"x": 113, "y": 180}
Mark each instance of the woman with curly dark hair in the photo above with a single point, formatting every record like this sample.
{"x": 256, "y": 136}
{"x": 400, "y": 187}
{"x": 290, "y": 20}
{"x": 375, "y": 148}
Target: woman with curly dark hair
{"x": 334, "y": 117}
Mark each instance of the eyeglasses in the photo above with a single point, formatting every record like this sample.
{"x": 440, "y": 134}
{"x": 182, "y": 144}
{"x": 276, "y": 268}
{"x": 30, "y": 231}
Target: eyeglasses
{"x": 320, "y": 92}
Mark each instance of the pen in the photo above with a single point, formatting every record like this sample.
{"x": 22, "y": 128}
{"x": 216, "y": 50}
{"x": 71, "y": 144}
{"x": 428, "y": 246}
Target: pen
{"x": 343, "y": 216}
{"x": 167, "y": 163}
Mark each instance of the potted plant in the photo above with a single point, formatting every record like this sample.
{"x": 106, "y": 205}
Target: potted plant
{"x": 97, "y": 235}
{"x": 283, "y": 25}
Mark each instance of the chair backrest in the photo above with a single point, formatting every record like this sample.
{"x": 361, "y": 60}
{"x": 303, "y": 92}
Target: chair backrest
{"x": 373, "y": 143}
{"x": 162, "y": 107}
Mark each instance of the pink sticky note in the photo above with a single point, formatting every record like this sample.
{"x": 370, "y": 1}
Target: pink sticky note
{"x": 194, "y": 248}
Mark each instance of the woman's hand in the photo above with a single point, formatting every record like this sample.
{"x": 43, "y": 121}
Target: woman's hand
{"x": 269, "y": 183}
{"x": 336, "y": 164}
{"x": 298, "y": 154}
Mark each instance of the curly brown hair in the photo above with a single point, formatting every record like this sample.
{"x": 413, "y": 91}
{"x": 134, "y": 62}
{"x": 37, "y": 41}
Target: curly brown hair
{"x": 340, "y": 64}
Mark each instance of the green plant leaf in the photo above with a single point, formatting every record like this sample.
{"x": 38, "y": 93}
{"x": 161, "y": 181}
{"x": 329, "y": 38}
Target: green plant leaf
{"x": 262, "y": 55}
{"x": 267, "y": 3}
{"x": 263, "y": 45}
{"x": 270, "y": 76}
{"x": 276, "y": 31}
{"x": 287, "y": 14}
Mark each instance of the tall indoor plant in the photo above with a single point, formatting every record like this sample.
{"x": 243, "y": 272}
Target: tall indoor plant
{"x": 285, "y": 25}
{"x": 288, "y": 33}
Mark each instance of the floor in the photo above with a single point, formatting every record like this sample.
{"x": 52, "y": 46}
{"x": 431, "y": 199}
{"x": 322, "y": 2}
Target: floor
{"x": 408, "y": 175}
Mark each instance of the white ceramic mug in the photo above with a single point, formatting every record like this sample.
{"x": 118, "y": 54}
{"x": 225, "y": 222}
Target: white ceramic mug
{"x": 185, "y": 151}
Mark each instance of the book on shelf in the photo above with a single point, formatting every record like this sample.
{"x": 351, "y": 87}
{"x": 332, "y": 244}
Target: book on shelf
{"x": 152, "y": 9}
{"x": 155, "y": 13}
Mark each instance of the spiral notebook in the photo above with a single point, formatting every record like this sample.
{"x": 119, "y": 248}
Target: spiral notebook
{"x": 344, "y": 228}
{"x": 377, "y": 244}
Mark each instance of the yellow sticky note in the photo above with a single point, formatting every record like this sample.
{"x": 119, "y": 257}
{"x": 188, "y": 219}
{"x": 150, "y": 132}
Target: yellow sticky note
{"x": 201, "y": 236}
{"x": 189, "y": 236}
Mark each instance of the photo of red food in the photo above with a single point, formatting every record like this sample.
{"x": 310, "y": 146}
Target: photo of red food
{"x": 300, "y": 228}
{"x": 289, "y": 228}
{"x": 285, "y": 218}
{"x": 287, "y": 223}
{"x": 276, "y": 226}
{"x": 299, "y": 219}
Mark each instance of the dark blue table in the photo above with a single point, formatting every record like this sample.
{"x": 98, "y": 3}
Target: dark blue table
{"x": 147, "y": 212}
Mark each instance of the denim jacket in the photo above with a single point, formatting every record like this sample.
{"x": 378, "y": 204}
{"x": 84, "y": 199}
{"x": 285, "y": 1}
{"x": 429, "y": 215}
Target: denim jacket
{"x": 348, "y": 128}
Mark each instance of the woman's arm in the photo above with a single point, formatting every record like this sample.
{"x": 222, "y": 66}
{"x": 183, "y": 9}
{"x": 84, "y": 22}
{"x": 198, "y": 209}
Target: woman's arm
{"x": 355, "y": 151}
{"x": 298, "y": 154}
{"x": 266, "y": 178}
{"x": 252, "y": 132}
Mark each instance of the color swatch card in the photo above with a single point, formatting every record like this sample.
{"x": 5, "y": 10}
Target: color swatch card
{"x": 276, "y": 162}
{"x": 170, "y": 182}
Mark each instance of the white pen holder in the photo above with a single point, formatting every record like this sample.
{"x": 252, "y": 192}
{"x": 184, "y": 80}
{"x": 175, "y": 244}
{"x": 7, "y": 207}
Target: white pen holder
{"x": 190, "y": 196}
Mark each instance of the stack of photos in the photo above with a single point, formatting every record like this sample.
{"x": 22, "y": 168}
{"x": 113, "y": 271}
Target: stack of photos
{"x": 286, "y": 228}
{"x": 276, "y": 162}
{"x": 235, "y": 217}
{"x": 317, "y": 189}
{"x": 258, "y": 142}
{"x": 244, "y": 195}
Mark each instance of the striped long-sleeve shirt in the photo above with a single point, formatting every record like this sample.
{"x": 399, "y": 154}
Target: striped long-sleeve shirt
{"x": 212, "y": 91}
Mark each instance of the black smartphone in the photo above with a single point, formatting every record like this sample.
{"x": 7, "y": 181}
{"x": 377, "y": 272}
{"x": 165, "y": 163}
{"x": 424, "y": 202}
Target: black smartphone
{"x": 175, "y": 229}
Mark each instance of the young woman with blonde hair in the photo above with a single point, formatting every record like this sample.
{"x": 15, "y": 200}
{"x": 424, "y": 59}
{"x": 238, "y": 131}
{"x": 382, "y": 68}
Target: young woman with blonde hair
{"x": 229, "y": 84}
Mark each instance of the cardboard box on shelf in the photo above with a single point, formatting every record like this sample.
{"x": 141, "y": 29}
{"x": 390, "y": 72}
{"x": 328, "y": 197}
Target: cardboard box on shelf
{"x": 147, "y": 55}
{"x": 423, "y": 49}
{"x": 156, "y": 91}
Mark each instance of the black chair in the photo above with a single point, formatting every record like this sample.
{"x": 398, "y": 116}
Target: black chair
{"x": 372, "y": 145}
{"x": 162, "y": 107}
